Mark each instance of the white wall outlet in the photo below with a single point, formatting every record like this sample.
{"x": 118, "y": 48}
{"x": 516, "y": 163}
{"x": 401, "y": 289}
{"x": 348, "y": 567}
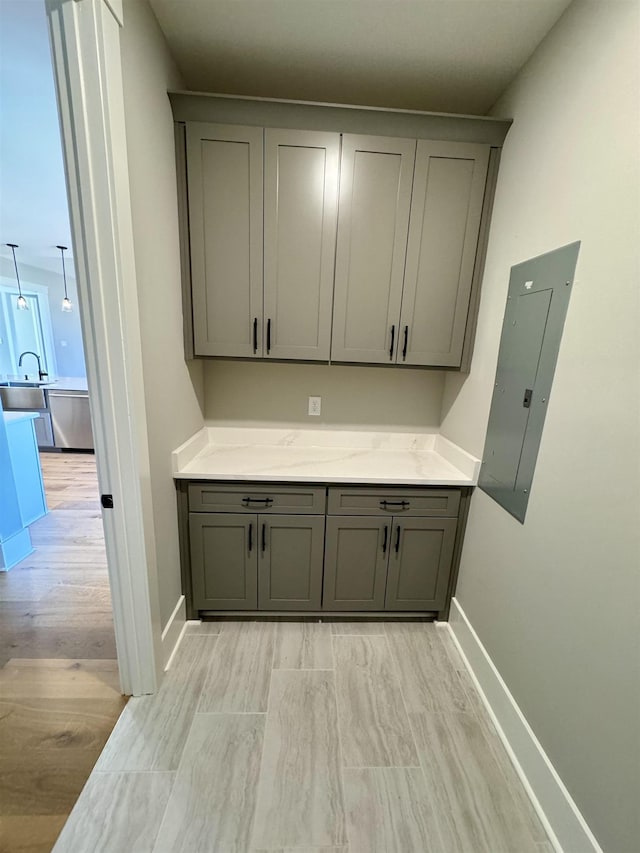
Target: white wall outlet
{"x": 315, "y": 405}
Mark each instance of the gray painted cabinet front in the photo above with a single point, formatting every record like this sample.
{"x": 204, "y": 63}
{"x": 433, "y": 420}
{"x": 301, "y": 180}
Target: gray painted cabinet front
{"x": 291, "y": 550}
{"x": 225, "y": 227}
{"x": 376, "y": 174}
{"x": 224, "y": 561}
{"x": 300, "y": 215}
{"x": 355, "y": 571}
{"x": 279, "y": 559}
{"x": 446, "y": 208}
{"x": 419, "y": 563}
{"x": 313, "y": 245}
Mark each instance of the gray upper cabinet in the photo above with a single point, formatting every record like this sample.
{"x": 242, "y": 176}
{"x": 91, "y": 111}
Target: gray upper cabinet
{"x": 309, "y": 244}
{"x": 375, "y": 198}
{"x": 446, "y": 208}
{"x": 225, "y": 227}
{"x": 300, "y": 215}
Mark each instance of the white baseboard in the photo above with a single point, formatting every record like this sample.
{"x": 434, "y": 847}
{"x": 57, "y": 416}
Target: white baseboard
{"x": 173, "y": 631}
{"x": 559, "y": 814}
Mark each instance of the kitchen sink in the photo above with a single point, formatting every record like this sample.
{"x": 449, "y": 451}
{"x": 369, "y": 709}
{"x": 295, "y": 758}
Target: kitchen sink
{"x": 24, "y": 397}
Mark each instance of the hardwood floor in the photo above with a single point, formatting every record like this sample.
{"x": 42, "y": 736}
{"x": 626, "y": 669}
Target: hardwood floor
{"x": 285, "y": 737}
{"x": 59, "y": 689}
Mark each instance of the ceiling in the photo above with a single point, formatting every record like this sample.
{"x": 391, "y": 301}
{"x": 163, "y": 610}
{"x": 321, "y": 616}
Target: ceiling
{"x": 438, "y": 55}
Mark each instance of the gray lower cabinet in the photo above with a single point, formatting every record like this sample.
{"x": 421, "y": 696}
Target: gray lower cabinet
{"x": 419, "y": 563}
{"x": 247, "y": 562}
{"x": 355, "y": 571}
{"x": 261, "y": 549}
{"x": 44, "y": 429}
{"x": 290, "y": 562}
{"x": 387, "y": 564}
{"x": 224, "y": 561}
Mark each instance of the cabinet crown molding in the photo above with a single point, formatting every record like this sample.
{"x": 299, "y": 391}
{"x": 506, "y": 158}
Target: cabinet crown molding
{"x": 340, "y": 118}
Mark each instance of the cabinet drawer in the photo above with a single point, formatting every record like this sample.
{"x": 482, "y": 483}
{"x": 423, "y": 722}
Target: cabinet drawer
{"x": 399, "y": 502}
{"x": 214, "y": 497}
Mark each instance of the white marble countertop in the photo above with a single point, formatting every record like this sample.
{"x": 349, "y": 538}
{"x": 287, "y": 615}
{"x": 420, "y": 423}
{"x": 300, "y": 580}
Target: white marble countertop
{"x": 14, "y": 417}
{"x": 324, "y": 456}
{"x": 62, "y": 383}
{"x": 68, "y": 383}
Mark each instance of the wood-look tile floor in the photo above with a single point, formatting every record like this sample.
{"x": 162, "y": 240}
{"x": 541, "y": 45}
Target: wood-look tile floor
{"x": 59, "y": 688}
{"x": 285, "y": 737}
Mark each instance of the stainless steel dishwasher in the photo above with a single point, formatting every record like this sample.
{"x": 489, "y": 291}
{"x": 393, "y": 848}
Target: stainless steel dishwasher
{"x": 71, "y": 419}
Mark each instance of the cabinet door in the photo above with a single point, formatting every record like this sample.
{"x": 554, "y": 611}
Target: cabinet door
{"x": 224, "y": 561}
{"x": 355, "y": 569}
{"x": 225, "y": 226}
{"x": 290, "y": 562}
{"x": 300, "y": 216}
{"x": 448, "y": 192}
{"x": 44, "y": 429}
{"x": 420, "y": 563}
{"x": 375, "y": 197}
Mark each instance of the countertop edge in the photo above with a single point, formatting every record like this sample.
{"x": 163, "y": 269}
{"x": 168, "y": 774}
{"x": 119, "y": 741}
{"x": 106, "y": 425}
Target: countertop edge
{"x": 332, "y": 481}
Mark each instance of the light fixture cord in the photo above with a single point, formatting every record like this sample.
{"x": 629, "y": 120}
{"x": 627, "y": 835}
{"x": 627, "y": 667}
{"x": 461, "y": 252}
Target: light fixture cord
{"x": 64, "y": 271}
{"x": 13, "y": 247}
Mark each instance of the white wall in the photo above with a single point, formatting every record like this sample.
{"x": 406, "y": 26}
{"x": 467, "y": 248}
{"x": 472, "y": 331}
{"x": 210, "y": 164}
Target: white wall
{"x": 33, "y": 207}
{"x": 33, "y": 197}
{"x": 556, "y": 600}
{"x": 173, "y": 389}
{"x": 264, "y": 393}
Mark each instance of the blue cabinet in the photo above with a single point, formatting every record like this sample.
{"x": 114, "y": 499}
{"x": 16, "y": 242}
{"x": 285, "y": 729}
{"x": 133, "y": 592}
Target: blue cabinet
{"x": 22, "y": 497}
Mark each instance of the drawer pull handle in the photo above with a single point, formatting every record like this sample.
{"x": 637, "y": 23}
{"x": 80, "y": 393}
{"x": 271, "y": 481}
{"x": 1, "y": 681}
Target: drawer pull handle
{"x": 255, "y": 334}
{"x": 406, "y": 341}
{"x": 264, "y": 538}
{"x": 386, "y": 538}
{"x": 397, "y": 539}
{"x": 249, "y": 501}
{"x": 393, "y": 338}
{"x": 251, "y": 536}
{"x": 268, "y": 335}
{"x": 401, "y": 504}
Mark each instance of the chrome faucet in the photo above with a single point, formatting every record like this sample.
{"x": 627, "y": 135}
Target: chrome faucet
{"x": 41, "y": 373}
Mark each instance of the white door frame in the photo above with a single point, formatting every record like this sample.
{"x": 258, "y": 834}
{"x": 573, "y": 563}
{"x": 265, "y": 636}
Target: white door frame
{"x": 85, "y": 44}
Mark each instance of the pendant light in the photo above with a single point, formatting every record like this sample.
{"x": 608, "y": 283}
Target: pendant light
{"x": 21, "y": 302}
{"x": 67, "y": 305}
{"x": 66, "y": 302}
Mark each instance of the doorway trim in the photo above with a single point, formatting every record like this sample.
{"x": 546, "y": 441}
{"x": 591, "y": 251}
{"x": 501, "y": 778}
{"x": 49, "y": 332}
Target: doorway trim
{"x": 85, "y": 46}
